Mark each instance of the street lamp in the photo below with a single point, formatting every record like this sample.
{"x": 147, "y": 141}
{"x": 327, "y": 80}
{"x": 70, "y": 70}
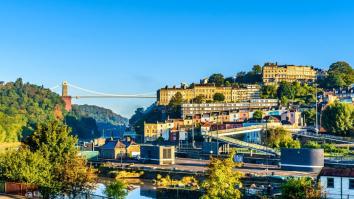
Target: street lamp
{"x": 217, "y": 136}
{"x": 316, "y": 126}
{"x": 121, "y": 159}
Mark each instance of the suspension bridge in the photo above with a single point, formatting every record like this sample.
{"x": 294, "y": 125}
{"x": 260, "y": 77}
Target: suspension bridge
{"x": 95, "y": 94}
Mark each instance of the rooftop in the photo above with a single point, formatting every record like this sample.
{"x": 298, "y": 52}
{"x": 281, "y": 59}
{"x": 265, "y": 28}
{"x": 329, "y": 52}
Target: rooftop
{"x": 338, "y": 172}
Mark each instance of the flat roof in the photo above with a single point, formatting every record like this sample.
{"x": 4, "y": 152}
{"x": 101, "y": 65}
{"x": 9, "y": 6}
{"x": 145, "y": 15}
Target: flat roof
{"x": 337, "y": 172}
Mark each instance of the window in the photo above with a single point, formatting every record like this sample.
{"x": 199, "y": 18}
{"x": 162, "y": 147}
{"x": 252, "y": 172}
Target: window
{"x": 351, "y": 183}
{"x": 330, "y": 182}
{"x": 167, "y": 153}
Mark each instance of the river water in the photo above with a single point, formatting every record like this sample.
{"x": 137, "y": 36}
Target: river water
{"x": 145, "y": 190}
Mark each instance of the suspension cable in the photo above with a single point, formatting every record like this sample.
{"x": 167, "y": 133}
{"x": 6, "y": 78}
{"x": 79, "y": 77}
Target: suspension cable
{"x": 106, "y": 94}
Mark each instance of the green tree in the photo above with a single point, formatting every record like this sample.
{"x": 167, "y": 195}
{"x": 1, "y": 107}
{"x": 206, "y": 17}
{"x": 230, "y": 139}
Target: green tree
{"x": 269, "y": 91}
{"x": 219, "y": 97}
{"x": 222, "y": 179}
{"x": 23, "y": 166}
{"x": 116, "y": 190}
{"x": 69, "y": 172}
{"x": 176, "y": 100}
{"x": 199, "y": 99}
{"x": 251, "y": 77}
{"x": 312, "y": 145}
{"x": 310, "y": 116}
{"x": 327, "y": 147}
{"x": 174, "y": 105}
{"x": 280, "y": 137}
{"x": 338, "y": 118}
{"x": 306, "y": 188}
{"x": 160, "y": 139}
{"x": 334, "y": 81}
{"x": 217, "y": 79}
{"x": 11, "y": 127}
{"x": 82, "y": 126}
{"x": 286, "y": 91}
{"x": 22, "y": 105}
{"x": 227, "y": 83}
{"x": 340, "y": 74}
{"x": 258, "y": 115}
{"x": 257, "y": 69}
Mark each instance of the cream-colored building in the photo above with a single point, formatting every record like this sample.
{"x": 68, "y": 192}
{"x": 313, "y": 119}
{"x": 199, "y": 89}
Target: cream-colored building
{"x": 152, "y": 131}
{"x": 273, "y": 74}
{"x": 232, "y": 94}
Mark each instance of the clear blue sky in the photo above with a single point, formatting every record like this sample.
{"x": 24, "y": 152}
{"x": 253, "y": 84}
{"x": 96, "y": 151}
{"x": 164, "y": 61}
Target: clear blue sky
{"x": 136, "y": 46}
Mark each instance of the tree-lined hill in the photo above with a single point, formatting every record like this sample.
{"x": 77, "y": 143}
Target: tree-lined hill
{"x": 89, "y": 121}
{"x": 22, "y": 105}
{"x": 100, "y": 114}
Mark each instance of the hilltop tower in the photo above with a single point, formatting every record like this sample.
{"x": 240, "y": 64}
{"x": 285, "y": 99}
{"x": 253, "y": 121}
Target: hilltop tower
{"x": 65, "y": 96}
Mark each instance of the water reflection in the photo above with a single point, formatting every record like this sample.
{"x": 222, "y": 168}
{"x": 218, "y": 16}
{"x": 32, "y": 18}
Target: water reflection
{"x": 144, "y": 190}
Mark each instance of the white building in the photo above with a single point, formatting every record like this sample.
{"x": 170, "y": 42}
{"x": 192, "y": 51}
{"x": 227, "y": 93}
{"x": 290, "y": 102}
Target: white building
{"x": 337, "y": 183}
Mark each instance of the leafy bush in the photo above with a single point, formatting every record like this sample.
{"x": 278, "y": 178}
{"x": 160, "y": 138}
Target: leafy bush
{"x": 280, "y": 137}
{"x": 116, "y": 190}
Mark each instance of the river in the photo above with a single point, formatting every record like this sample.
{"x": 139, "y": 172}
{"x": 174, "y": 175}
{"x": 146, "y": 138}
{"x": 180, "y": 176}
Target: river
{"x": 145, "y": 189}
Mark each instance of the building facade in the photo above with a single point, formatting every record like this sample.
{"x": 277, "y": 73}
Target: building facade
{"x": 162, "y": 155}
{"x": 152, "y": 131}
{"x": 345, "y": 94}
{"x": 114, "y": 149}
{"x": 273, "y": 74}
{"x": 232, "y": 94}
{"x": 188, "y": 110}
{"x": 337, "y": 183}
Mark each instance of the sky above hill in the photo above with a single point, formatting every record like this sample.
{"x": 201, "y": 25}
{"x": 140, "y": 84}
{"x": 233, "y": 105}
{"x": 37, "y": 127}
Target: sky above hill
{"x": 126, "y": 47}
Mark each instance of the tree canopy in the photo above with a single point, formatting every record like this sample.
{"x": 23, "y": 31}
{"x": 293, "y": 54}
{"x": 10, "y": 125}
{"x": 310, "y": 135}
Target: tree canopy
{"x": 304, "y": 187}
{"x": 176, "y": 100}
{"x": 217, "y": 79}
{"x": 222, "y": 179}
{"x": 100, "y": 114}
{"x": 258, "y": 115}
{"x": 252, "y": 77}
{"x": 309, "y": 116}
{"x": 199, "y": 99}
{"x": 26, "y": 166}
{"x": 340, "y": 74}
{"x": 338, "y": 118}
{"x": 280, "y": 137}
{"x": 49, "y": 160}
{"x": 269, "y": 91}
{"x": 293, "y": 92}
{"x": 219, "y": 97}
{"x": 116, "y": 190}
{"x": 22, "y": 105}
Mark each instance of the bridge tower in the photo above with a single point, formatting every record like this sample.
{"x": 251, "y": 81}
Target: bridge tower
{"x": 64, "y": 91}
{"x": 65, "y": 96}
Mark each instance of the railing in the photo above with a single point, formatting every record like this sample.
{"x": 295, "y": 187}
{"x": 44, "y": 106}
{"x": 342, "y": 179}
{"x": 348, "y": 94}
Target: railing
{"x": 328, "y": 137}
{"x": 260, "y": 127}
{"x": 248, "y": 145}
{"x": 235, "y": 130}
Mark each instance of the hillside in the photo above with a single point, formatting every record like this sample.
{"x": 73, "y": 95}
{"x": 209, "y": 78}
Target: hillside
{"x": 22, "y": 105}
{"x": 108, "y": 122}
{"x": 100, "y": 114}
